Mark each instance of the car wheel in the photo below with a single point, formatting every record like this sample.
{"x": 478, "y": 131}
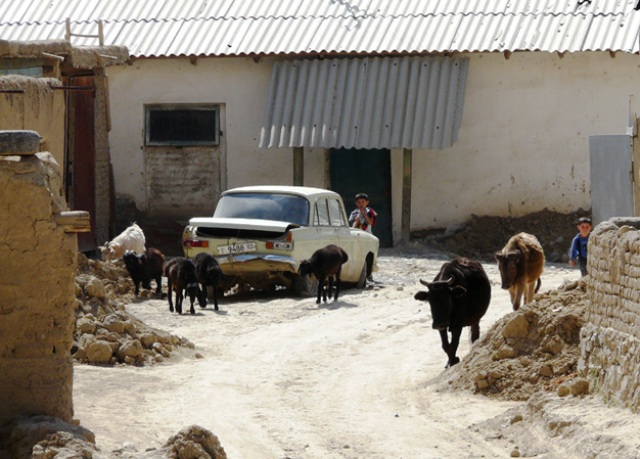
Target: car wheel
{"x": 362, "y": 280}
{"x": 305, "y": 285}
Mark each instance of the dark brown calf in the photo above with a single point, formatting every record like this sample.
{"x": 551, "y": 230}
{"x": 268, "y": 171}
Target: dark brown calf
{"x": 181, "y": 276}
{"x": 325, "y": 263}
{"x": 144, "y": 267}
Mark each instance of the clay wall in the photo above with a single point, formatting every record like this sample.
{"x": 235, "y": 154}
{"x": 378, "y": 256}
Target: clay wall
{"x": 610, "y": 340}
{"x": 38, "y": 108}
{"x": 37, "y": 291}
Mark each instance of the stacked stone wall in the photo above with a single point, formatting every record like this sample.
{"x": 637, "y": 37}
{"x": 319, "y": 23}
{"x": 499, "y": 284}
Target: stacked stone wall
{"x": 610, "y": 340}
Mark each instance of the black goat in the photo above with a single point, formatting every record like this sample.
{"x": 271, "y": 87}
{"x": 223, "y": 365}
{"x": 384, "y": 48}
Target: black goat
{"x": 182, "y": 277}
{"x": 144, "y": 267}
{"x": 209, "y": 274}
{"x": 325, "y": 263}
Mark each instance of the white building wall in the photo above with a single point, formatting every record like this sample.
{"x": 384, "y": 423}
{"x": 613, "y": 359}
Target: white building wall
{"x": 523, "y": 145}
{"x": 239, "y": 85}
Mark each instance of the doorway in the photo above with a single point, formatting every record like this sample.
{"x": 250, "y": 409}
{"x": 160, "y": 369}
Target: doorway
{"x": 368, "y": 171}
{"x": 81, "y": 155}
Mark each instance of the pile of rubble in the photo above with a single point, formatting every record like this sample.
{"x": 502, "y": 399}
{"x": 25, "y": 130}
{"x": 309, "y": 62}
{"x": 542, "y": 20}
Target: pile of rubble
{"x": 533, "y": 349}
{"x": 481, "y": 237}
{"x": 105, "y": 333}
{"x": 46, "y": 437}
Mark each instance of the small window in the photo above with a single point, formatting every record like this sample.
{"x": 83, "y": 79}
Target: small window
{"x": 322, "y": 213}
{"x": 329, "y": 213}
{"x": 335, "y": 213}
{"x": 182, "y": 125}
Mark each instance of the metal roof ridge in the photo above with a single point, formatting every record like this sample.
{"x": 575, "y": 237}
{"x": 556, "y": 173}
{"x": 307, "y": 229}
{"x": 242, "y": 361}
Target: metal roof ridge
{"x": 329, "y": 16}
{"x": 337, "y": 16}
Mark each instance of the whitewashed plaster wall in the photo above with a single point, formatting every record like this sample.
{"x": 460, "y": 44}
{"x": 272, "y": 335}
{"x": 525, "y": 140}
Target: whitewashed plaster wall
{"x": 524, "y": 141}
{"x": 523, "y": 145}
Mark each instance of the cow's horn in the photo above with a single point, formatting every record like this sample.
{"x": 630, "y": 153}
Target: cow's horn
{"x": 450, "y": 280}
{"x": 425, "y": 283}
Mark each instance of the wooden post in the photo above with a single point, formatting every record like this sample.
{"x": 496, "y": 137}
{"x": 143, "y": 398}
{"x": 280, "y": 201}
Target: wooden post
{"x": 298, "y": 166}
{"x": 406, "y": 195}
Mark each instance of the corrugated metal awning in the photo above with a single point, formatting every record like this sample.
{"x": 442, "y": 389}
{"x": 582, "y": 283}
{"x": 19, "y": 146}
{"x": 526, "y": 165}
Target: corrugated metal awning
{"x": 403, "y": 102}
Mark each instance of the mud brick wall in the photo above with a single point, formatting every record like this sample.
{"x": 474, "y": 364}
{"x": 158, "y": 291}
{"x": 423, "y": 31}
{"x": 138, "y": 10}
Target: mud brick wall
{"x": 610, "y": 340}
{"x": 37, "y": 290}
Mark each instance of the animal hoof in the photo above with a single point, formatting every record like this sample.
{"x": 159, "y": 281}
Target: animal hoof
{"x": 452, "y": 362}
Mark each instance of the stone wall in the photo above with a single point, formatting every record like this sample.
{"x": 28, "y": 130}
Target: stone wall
{"x": 610, "y": 340}
{"x": 37, "y": 289}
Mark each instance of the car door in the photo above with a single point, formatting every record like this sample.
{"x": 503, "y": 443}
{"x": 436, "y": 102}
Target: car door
{"x": 346, "y": 239}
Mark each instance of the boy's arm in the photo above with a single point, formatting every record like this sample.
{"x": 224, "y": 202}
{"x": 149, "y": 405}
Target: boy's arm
{"x": 573, "y": 251}
{"x": 370, "y": 215}
{"x": 352, "y": 216}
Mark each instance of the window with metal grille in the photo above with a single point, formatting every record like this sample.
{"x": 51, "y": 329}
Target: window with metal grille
{"x": 182, "y": 125}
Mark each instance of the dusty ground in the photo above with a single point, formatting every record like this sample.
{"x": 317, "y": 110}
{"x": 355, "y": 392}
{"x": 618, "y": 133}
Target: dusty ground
{"x": 274, "y": 376}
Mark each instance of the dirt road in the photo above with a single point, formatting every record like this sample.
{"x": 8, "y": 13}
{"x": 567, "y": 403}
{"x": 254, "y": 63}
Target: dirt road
{"x": 276, "y": 376}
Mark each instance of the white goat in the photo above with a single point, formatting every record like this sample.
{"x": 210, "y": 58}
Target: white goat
{"x": 130, "y": 239}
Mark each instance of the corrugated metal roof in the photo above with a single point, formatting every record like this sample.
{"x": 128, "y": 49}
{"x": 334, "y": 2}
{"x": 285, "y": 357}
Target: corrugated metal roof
{"x": 401, "y": 102}
{"x": 247, "y": 27}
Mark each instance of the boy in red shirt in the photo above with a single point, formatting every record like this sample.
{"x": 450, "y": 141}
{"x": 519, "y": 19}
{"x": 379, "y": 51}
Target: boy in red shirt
{"x": 363, "y": 217}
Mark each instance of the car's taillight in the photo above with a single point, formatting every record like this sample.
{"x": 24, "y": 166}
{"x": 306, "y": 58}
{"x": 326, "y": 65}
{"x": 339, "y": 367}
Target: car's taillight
{"x": 277, "y": 245}
{"x": 192, "y": 243}
{"x": 289, "y": 237}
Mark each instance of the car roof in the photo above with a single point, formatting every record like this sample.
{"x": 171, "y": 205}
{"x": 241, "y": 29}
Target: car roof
{"x": 306, "y": 191}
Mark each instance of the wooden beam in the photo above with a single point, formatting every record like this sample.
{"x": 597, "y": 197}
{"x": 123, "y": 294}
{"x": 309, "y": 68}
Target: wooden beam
{"x": 405, "y": 222}
{"x": 298, "y": 166}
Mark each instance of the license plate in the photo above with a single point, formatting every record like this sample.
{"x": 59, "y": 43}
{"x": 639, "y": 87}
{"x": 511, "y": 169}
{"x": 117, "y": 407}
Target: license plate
{"x": 237, "y": 248}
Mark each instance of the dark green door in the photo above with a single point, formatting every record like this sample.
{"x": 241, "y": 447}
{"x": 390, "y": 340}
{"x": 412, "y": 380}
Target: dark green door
{"x": 368, "y": 171}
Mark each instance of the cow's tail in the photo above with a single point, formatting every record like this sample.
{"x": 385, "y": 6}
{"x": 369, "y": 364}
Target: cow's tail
{"x": 538, "y": 284}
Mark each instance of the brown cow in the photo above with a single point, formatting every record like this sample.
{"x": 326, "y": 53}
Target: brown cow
{"x": 521, "y": 262}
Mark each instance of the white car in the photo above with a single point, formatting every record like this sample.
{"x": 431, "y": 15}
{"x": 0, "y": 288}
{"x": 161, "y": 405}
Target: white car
{"x": 260, "y": 234}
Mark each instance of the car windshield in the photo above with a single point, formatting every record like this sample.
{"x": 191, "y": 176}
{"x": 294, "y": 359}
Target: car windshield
{"x": 264, "y": 206}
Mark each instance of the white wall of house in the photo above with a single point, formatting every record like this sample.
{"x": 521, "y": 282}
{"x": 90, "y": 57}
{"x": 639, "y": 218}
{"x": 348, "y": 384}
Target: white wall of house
{"x": 524, "y": 141}
{"x": 523, "y": 145}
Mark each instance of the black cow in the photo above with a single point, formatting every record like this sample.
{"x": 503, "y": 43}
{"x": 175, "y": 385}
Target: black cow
{"x": 209, "y": 274}
{"x": 459, "y": 297}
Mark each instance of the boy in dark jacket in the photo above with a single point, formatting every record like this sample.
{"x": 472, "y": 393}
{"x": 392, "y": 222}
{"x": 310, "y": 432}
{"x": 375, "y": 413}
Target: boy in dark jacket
{"x": 578, "y": 251}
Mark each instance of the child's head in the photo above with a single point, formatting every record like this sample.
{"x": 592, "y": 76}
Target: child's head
{"x": 584, "y": 226}
{"x": 362, "y": 199}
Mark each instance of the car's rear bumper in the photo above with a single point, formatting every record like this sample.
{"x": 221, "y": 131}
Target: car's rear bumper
{"x": 255, "y": 263}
